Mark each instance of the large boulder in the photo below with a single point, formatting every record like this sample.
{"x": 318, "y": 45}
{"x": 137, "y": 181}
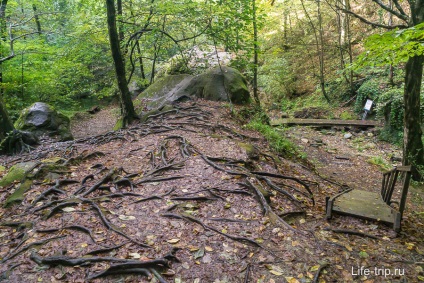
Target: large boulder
{"x": 213, "y": 85}
{"x": 41, "y": 118}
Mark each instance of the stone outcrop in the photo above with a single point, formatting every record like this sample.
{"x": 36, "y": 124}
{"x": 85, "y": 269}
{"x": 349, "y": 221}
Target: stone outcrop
{"x": 41, "y": 118}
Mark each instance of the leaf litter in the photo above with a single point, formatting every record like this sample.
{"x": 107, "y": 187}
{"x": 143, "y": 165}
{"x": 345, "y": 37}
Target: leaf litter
{"x": 177, "y": 199}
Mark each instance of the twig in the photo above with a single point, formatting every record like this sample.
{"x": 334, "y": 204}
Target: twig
{"x": 321, "y": 267}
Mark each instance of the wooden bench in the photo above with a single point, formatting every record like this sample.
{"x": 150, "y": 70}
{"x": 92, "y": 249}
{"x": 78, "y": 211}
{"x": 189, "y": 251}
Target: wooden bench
{"x": 375, "y": 206}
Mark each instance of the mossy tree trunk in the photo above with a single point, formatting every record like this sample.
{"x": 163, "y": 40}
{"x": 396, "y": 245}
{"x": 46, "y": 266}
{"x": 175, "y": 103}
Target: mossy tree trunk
{"x": 413, "y": 149}
{"x": 6, "y": 124}
{"x": 127, "y": 107}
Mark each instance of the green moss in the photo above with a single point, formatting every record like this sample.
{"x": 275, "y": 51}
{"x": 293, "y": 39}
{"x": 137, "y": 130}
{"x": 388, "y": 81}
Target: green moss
{"x": 16, "y": 173}
{"x": 119, "y": 124}
{"x": 346, "y": 115}
{"x": 18, "y": 194}
{"x": 2, "y": 168}
{"x": 276, "y": 140}
{"x": 380, "y": 162}
{"x": 251, "y": 151}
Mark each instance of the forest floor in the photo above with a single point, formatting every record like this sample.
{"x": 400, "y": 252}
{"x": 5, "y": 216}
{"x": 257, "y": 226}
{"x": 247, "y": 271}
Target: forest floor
{"x": 191, "y": 196}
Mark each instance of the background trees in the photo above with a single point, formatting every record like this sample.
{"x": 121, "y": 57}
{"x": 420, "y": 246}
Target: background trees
{"x": 301, "y": 53}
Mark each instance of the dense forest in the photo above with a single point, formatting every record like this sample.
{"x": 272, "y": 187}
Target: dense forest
{"x": 167, "y": 159}
{"x": 331, "y": 53}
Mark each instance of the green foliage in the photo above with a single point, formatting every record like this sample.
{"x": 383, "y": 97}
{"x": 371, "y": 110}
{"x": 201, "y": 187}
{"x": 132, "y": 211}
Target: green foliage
{"x": 370, "y": 89}
{"x": 346, "y": 115}
{"x": 392, "y": 47}
{"x": 275, "y": 138}
{"x": 259, "y": 121}
{"x": 390, "y": 107}
{"x": 380, "y": 162}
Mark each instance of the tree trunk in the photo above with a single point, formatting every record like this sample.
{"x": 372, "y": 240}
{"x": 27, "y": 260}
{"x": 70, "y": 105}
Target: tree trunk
{"x": 413, "y": 150}
{"x": 37, "y": 19}
{"x": 6, "y": 124}
{"x": 127, "y": 107}
{"x": 256, "y": 52}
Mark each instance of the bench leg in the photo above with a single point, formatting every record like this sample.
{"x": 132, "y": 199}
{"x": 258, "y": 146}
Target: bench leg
{"x": 328, "y": 207}
{"x": 396, "y": 224}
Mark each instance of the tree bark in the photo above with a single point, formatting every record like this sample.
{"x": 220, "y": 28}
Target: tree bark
{"x": 37, "y": 19}
{"x": 413, "y": 149}
{"x": 127, "y": 107}
{"x": 255, "y": 55}
{"x": 6, "y": 124}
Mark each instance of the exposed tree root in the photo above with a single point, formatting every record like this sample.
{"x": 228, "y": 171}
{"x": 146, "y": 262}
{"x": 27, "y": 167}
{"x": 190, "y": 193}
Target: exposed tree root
{"x": 105, "y": 250}
{"x": 321, "y": 267}
{"x": 29, "y": 246}
{"x": 110, "y": 226}
{"x": 301, "y": 182}
{"x": 352, "y": 232}
{"x": 71, "y": 227}
{"x": 267, "y": 210}
{"x": 108, "y": 177}
{"x": 5, "y": 275}
{"x": 206, "y": 227}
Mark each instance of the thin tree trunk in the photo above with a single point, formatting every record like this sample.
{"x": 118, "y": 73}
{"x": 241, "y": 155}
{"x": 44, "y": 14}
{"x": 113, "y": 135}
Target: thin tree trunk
{"x": 120, "y": 26}
{"x": 140, "y": 58}
{"x": 256, "y": 52}
{"x": 319, "y": 47}
{"x": 6, "y": 124}
{"x": 127, "y": 107}
{"x": 413, "y": 149}
{"x": 36, "y": 18}
{"x": 321, "y": 52}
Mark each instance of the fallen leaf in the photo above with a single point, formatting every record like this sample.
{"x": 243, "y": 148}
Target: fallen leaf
{"x": 200, "y": 253}
{"x": 276, "y": 272}
{"x": 173, "y": 241}
{"x": 314, "y": 268}
{"x": 135, "y": 255}
{"x": 68, "y": 209}
{"x": 126, "y": 217}
{"x": 208, "y": 249}
{"x": 363, "y": 254}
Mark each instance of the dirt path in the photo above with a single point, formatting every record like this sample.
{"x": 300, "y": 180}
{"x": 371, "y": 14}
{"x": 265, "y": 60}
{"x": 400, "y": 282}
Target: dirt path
{"x": 181, "y": 198}
{"x": 85, "y": 124}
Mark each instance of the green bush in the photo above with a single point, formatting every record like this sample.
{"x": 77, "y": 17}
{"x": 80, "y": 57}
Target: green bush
{"x": 368, "y": 90}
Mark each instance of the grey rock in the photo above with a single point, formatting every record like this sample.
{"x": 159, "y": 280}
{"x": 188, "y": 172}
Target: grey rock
{"x": 213, "y": 85}
{"x": 41, "y": 118}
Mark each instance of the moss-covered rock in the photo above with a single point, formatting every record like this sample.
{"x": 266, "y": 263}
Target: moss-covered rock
{"x": 218, "y": 84}
{"x": 2, "y": 169}
{"x": 18, "y": 195}
{"x": 17, "y": 173}
{"x": 41, "y": 118}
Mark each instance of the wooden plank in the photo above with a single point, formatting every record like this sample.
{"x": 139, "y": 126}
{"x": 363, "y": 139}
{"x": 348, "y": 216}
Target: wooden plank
{"x": 363, "y": 204}
{"x": 324, "y": 122}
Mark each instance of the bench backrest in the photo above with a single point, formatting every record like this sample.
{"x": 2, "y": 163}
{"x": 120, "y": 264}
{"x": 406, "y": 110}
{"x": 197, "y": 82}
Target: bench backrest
{"x": 390, "y": 179}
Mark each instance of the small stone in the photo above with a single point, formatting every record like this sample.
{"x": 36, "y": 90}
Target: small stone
{"x": 370, "y": 134}
{"x": 304, "y": 140}
{"x": 347, "y": 136}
